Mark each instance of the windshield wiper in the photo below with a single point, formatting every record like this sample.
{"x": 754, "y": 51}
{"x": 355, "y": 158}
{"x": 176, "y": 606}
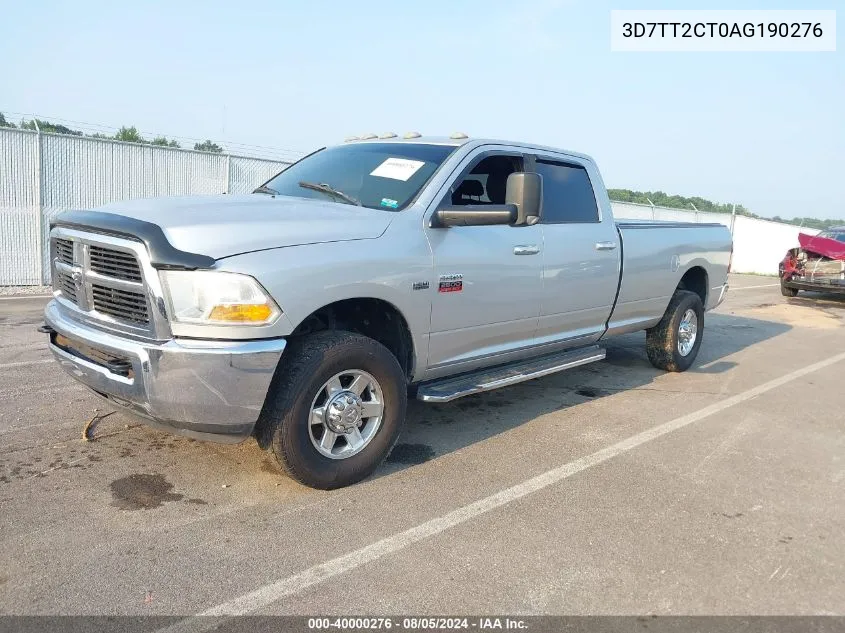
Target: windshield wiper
{"x": 329, "y": 190}
{"x": 265, "y": 189}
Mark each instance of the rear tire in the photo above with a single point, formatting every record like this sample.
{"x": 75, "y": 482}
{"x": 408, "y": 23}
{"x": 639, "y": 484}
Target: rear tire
{"x": 786, "y": 291}
{"x": 309, "y": 365}
{"x": 673, "y": 343}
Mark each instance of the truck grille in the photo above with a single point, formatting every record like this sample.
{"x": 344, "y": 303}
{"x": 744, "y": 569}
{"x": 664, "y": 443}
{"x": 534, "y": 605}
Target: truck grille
{"x": 120, "y": 304}
{"x": 64, "y": 283}
{"x": 101, "y": 281}
{"x": 64, "y": 251}
{"x": 114, "y": 263}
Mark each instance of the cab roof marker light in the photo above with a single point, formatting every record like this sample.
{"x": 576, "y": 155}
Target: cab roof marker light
{"x": 412, "y": 135}
{"x": 388, "y": 135}
{"x": 349, "y": 139}
{"x": 458, "y": 135}
{"x": 367, "y": 137}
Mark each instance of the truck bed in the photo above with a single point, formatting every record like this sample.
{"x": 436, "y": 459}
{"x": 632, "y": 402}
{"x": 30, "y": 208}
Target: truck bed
{"x": 653, "y": 255}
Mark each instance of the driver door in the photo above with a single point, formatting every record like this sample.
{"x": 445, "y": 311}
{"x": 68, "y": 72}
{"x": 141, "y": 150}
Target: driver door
{"x": 486, "y": 301}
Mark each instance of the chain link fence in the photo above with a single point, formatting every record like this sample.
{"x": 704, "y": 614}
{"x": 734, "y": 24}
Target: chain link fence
{"x": 44, "y": 174}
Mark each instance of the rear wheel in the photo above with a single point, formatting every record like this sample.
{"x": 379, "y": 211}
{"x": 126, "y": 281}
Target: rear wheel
{"x": 335, "y": 410}
{"x": 674, "y": 342}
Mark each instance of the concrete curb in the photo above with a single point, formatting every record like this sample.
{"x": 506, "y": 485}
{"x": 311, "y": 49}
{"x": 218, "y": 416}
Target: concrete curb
{"x": 20, "y": 297}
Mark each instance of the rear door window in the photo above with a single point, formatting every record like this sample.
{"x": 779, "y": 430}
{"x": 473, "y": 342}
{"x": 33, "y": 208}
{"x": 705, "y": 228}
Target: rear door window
{"x": 568, "y": 195}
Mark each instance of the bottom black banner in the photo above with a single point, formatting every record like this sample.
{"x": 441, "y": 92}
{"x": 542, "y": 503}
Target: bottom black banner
{"x": 535, "y": 624}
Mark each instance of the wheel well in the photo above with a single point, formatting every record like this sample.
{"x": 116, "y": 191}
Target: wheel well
{"x": 695, "y": 280}
{"x": 374, "y": 318}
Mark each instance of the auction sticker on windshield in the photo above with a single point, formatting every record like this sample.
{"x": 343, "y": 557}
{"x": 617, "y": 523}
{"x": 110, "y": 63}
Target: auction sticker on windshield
{"x": 397, "y": 168}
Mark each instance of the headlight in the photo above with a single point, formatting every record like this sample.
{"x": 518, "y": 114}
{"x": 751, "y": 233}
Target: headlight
{"x": 217, "y": 298}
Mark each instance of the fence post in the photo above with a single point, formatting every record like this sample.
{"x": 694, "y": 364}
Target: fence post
{"x": 733, "y": 219}
{"x": 39, "y": 218}
{"x": 695, "y": 208}
{"x": 228, "y": 173}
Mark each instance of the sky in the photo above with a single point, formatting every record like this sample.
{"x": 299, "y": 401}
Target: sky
{"x": 765, "y": 130}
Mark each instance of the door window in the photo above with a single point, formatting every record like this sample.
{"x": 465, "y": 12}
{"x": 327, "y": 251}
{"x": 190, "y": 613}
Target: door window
{"x": 568, "y": 195}
{"x": 487, "y": 181}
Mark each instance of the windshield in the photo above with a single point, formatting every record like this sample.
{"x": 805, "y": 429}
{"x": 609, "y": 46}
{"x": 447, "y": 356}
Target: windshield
{"x": 376, "y": 175}
{"x": 834, "y": 235}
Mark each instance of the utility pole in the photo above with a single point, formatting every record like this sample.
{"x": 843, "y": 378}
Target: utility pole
{"x": 39, "y": 205}
{"x": 733, "y": 219}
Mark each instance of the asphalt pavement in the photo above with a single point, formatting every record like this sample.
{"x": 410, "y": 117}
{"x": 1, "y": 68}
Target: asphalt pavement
{"x": 613, "y": 488}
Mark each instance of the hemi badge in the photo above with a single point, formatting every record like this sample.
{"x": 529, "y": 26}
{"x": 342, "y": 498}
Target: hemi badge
{"x": 451, "y": 283}
{"x": 420, "y": 285}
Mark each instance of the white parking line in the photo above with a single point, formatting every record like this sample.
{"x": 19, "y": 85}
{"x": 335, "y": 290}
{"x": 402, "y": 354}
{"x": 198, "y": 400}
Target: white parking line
{"x": 733, "y": 288}
{"x": 26, "y": 363}
{"x": 268, "y": 594}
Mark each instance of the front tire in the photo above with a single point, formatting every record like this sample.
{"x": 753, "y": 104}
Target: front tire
{"x": 786, "y": 291}
{"x": 673, "y": 343}
{"x": 335, "y": 409}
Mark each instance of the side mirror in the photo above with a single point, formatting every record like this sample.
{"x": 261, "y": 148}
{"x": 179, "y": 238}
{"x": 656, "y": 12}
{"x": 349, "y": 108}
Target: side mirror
{"x": 523, "y": 198}
{"x": 475, "y": 215}
{"x": 525, "y": 192}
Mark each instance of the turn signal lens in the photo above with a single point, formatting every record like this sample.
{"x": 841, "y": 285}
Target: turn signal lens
{"x": 241, "y": 313}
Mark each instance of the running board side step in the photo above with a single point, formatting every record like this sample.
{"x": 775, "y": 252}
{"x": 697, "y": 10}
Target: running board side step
{"x": 453, "y": 387}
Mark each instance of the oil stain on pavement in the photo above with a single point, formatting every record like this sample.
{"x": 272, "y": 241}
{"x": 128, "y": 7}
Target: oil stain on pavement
{"x": 142, "y": 492}
{"x": 590, "y": 392}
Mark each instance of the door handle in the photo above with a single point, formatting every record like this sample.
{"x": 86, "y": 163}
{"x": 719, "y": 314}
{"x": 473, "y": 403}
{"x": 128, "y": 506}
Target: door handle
{"x": 528, "y": 249}
{"x": 605, "y": 246}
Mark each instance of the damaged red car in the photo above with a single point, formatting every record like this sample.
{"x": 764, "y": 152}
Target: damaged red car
{"x": 817, "y": 264}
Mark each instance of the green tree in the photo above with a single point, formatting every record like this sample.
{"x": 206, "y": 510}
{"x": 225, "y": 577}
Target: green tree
{"x": 208, "y": 146}
{"x": 815, "y": 223}
{"x": 162, "y": 140}
{"x": 47, "y": 126}
{"x": 130, "y": 135}
{"x": 661, "y": 199}
{"x": 4, "y": 122}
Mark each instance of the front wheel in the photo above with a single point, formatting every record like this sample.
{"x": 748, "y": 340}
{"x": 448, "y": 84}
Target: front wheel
{"x": 673, "y": 343}
{"x": 786, "y": 291}
{"x": 335, "y": 409}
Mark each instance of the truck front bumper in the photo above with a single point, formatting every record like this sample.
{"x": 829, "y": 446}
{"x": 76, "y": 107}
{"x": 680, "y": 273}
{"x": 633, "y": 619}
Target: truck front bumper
{"x": 207, "y": 389}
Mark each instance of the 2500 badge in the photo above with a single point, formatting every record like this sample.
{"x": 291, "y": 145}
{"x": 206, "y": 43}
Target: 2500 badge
{"x": 451, "y": 283}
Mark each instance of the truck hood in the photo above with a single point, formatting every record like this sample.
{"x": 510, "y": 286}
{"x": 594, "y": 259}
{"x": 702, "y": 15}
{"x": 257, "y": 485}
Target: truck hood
{"x": 224, "y": 225}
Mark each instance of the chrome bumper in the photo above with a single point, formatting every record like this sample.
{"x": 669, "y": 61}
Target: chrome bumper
{"x": 206, "y": 389}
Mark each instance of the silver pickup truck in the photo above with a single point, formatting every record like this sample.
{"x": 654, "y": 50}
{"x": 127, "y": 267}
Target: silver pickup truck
{"x": 306, "y": 313}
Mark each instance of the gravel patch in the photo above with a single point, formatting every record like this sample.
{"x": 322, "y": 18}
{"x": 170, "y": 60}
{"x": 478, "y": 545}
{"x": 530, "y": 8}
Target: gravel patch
{"x": 9, "y": 291}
